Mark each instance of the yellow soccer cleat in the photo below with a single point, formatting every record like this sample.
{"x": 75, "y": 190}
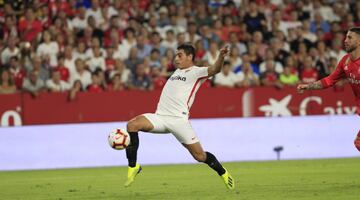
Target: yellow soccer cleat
{"x": 228, "y": 180}
{"x": 132, "y": 172}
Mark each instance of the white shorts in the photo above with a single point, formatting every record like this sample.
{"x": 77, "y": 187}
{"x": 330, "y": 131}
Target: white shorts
{"x": 178, "y": 126}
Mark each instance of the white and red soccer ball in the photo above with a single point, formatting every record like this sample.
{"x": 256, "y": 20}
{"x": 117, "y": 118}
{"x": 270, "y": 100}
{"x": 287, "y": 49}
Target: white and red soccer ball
{"x": 119, "y": 139}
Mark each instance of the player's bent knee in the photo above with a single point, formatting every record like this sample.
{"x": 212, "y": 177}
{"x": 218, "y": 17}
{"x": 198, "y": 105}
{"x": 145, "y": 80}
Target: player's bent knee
{"x": 139, "y": 123}
{"x": 133, "y": 126}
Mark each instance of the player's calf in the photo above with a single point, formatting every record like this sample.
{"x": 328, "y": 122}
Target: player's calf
{"x": 357, "y": 141}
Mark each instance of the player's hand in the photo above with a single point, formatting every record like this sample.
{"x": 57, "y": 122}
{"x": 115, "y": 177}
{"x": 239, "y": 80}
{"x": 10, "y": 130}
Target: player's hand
{"x": 301, "y": 88}
{"x": 225, "y": 51}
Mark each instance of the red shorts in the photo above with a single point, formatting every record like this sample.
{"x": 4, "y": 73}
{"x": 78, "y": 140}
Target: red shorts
{"x": 357, "y": 141}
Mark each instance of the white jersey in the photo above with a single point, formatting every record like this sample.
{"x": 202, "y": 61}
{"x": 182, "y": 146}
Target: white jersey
{"x": 179, "y": 91}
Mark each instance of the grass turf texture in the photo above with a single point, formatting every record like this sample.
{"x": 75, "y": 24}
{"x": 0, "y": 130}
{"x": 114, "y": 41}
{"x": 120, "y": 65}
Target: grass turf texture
{"x": 335, "y": 179}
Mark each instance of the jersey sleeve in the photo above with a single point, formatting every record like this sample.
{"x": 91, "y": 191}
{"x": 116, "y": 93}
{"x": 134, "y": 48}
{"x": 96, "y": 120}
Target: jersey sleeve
{"x": 337, "y": 75}
{"x": 202, "y": 72}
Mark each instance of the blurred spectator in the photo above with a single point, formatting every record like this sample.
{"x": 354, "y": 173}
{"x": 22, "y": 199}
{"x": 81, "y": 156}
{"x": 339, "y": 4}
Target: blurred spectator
{"x": 95, "y": 44}
{"x": 270, "y": 77}
{"x": 133, "y": 60}
{"x": 269, "y": 57}
{"x": 64, "y": 71}
{"x": 254, "y": 19}
{"x": 143, "y": 49}
{"x": 246, "y": 58}
{"x": 181, "y": 16}
{"x": 79, "y": 22}
{"x": 302, "y": 53}
{"x": 9, "y": 28}
{"x": 226, "y": 78}
{"x": 48, "y": 49}
{"x": 155, "y": 41}
{"x": 234, "y": 41}
{"x": 307, "y": 34}
{"x": 109, "y": 60}
{"x": 253, "y": 55}
{"x": 140, "y": 80}
{"x": 322, "y": 59}
{"x": 81, "y": 74}
{"x": 33, "y": 84}
{"x": 260, "y": 45}
{"x": 336, "y": 49}
{"x": 163, "y": 19}
{"x": 280, "y": 54}
{"x": 116, "y": 84}
{"x": 29, "y": 27}
{"x": 126, "y": 44}
{"x": 234, "y": 58}
{"x": 95, "y": 85}
{"x": 95, "y": 12}
{"x": 6, "y": 83}
{"x": 10, "y": 50}
{"x": 283, "y": 25}
{"x": 69, "y": 57}
{"x": 309, "y": 73}
{"x": 170, "y": 56}
{"x": 180, "y": 39}
{"x": 229, "y": 27}
{"x": 173, "y": 26}
{"x": 158, "y": 77}
{"x": 77, "y": 52}
{"x": 319, "y": 23}
{"x": 246, "y": 77}
{"x": 38, "y": 65}
{"x": 191, "y": 34}
{"x": 96, "y": 61}
{"x": 288, "y": 78}
{"x": 212, "y": 54}
{"x": 154, "y": 58}
{"x": 208, "y": 36}
{"x": 102, "y": 78}
{"x": 170, "y": 40}
{"x": 17, "y": 71}
{"x": 75, "y": 89}
{"x": 121, "y": 69}
{"x": 55, "y": 84}
{"x": 202, "y": 17}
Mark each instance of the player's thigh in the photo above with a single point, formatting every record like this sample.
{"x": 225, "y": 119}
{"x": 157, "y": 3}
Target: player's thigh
{"x": 158, "y": 123}
{"x": 182, "y": 130}
{"x": 139, "y": 123}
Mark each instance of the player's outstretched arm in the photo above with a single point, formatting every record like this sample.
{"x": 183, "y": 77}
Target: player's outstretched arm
{"x": 317, "y": 85}
{"x": 216, "y": 68}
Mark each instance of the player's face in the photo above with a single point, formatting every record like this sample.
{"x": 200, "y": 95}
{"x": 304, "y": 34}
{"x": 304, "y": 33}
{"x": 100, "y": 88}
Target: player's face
{"x": 182, "y": 60}
{"x": 352, "y": 41}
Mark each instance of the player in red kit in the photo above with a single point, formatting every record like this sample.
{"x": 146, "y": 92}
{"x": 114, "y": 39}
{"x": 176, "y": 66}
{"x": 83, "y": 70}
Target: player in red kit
{"x": 348, "y": 68}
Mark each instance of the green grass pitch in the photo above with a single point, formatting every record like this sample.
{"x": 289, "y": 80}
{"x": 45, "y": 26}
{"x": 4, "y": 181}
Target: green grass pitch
{"x": 332, "y": 179}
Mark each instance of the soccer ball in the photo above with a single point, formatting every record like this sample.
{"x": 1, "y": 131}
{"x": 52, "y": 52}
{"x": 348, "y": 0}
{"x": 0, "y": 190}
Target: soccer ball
{"x": 119, "y": 139}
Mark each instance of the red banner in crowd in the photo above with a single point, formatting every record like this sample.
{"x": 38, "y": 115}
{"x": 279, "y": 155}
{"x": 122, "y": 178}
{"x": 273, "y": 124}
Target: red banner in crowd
{"x": 55, "y": 108}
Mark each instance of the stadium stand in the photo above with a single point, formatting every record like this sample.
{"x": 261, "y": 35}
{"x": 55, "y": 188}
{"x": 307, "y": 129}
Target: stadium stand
{"x": 297, "y": 40}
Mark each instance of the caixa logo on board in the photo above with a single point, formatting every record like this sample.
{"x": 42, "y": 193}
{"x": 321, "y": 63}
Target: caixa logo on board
{"x": 281, "y": 107}
{"x": 10, "y": 118}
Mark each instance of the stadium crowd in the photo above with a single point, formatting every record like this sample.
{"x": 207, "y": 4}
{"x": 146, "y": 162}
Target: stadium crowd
{"x": 115, "y": 45}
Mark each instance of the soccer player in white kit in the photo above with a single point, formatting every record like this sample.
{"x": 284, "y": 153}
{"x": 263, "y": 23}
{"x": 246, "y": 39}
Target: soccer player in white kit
{"x": 172, "y": 112}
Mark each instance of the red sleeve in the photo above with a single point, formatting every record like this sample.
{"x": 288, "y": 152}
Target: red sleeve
{"x": 337, "y": 75}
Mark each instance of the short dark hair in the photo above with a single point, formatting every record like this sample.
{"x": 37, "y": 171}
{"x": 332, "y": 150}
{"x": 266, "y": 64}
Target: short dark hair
{"x": 188, "y": 48}
{"x": 355, "y": 30}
